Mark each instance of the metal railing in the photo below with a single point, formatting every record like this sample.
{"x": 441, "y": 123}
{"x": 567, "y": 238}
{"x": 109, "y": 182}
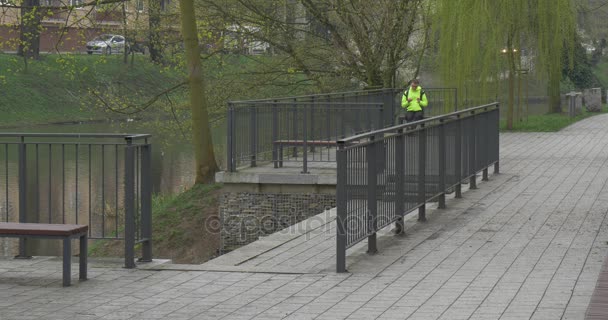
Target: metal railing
{"x": 102, "y": 180}
{"x": 282, "y": 132}
{"x": 385, "y": 174}
{"x": 254, "y": 125}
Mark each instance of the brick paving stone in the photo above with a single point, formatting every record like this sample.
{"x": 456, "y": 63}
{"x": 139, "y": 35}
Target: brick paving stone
{"x": 528, "y": 244}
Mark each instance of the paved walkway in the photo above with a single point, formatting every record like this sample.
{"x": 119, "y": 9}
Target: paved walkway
{"x": 528, "y": 244}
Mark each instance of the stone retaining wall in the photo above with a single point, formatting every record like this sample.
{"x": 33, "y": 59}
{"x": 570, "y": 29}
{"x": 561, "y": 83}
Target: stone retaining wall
{"x": 247, "y": 216}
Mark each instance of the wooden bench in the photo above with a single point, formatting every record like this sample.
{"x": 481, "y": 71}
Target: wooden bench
{"x": 279, "y": 144}
{"x": 67, "y": 232}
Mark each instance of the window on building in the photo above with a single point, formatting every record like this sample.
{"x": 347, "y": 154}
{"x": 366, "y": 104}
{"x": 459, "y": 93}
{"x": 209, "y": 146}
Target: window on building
{"x": 76, "y": 3}
{"x": 139, "y": 5}
{"x": 7, "y": 2}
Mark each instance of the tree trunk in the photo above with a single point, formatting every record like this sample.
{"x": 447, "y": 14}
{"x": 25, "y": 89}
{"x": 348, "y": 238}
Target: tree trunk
{"x": 154, "y": 20}
{"x": 29, "y": 44}
{"x": 201, "y": 139}
{"x": 553, "y": 90}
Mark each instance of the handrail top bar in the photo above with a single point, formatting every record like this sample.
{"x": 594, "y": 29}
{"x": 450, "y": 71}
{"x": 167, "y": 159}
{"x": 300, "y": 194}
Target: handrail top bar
{"x": 330, "y": 94}
{"x": 132, "y": 136}
{"x": 415, "y": 123}
{"x": 311, "y": 102}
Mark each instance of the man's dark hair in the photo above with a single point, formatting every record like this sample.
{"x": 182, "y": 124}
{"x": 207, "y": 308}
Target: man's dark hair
{"x": 416, "y": 81}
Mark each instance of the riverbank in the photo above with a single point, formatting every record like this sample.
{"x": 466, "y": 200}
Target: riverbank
{"x": 185, "y": 227}
{"x": 75, "y": 88}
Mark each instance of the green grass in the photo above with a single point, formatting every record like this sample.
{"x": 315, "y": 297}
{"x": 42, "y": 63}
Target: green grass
{"x": 549, "y": 122}
{"x": 56, "y": 87}
{"x": 182, "y": 226}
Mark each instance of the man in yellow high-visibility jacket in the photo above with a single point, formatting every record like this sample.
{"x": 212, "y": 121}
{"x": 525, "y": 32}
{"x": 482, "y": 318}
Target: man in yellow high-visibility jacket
{"x": 413, "y": 101}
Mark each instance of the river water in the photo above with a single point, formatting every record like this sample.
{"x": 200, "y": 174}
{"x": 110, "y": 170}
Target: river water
{"x": 58, "y": 179}
{"x": 172, "y": 158}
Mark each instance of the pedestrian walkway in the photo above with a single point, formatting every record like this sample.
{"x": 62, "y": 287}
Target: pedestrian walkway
{"x": 528, "y": 244}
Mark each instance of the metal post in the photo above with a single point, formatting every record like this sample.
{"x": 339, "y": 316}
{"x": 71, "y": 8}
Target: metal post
{"x": 129, "y": 204}
{"x": 472, "y": 152}
{"x": 82, "y": 259}
{"x": 328, "y": 120}
{"x": 253, "y": 134}
{"x": 67, "y": 261}
{"x": 458, "y": 158}
{"x": 275, "y": 135}
{"x": 312, "y": 121}
{"x": 341, "y": 209}
{"x": 230, "y": 140}
{"x": 422, "y": 173}
{"x": 22, "y": 195}
{"x": 495, "y": 128}
{"x": 305, "y": 151}
{"x": 442, "y": 153}
{"x": 372, "y": 181}
{"x": 400, "y": 181}
{"x": 146, "y": 202}
{"x": 295, "y": 127}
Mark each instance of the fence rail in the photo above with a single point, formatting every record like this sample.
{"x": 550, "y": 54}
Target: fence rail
{"x": 255, "y": 126}
{"x": 385, "y": 174}
{"x": 280, "y": 132}
{"x": 102, "y": 180}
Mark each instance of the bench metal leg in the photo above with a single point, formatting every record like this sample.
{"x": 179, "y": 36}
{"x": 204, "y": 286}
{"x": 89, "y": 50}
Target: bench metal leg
{"x": 67, "y": 261}
{"x": 83, "y": 257}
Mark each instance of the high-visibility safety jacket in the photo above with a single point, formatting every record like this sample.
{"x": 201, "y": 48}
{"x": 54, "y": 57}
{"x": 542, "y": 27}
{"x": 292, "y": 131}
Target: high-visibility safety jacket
{"x": 414, "y": 105}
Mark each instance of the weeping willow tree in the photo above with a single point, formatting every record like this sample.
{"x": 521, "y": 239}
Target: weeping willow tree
{"x": 481, "y": 43}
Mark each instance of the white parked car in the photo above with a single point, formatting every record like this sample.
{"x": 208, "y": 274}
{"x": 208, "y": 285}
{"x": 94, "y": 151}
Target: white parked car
{"x": 107, "y": 44}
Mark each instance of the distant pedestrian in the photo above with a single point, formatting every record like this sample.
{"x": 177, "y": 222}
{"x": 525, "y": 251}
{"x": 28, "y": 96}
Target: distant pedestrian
{"x": 414, "y": 100}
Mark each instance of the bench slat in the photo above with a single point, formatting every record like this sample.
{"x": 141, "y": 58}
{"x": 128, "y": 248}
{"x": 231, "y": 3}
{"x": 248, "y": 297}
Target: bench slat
{"x": 310, "y": 143}
{"x": 41, "y": 229}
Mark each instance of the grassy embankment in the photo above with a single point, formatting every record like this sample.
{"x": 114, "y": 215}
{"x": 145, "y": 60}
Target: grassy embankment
{"x": 56, "y": 88}
{"x": 554, "y": 122}
{"x": 549, "y": 122}
{"x": 185, "y": 227}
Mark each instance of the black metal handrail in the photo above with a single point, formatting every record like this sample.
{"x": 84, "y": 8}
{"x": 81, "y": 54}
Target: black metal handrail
{"x": 441, "y": 101}
{"x": 102, "y": 180}
{"x": 385, "y": 174}
{"x": 278, "y": 132}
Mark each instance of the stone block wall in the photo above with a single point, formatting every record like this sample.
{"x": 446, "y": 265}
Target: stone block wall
{"x": 593, "y": 99}
{"x": 246, "y": 216}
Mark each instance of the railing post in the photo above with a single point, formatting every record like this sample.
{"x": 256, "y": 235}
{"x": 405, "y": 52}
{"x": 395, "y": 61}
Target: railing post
{"x": 400, "y": 180}
{"x": 372, "y": 181}
{"x": 231, "y": 167}
{"x": 458, "y": 157}
{"x": 341, "y": 203}
{"x": 146, "y": 202}
{"x": 253, "y": 134}
{"x": 472, "y": 152}
{"x": 496, "y": 127}
{"x": 305, "y": 151}
{"x": 312, "y": 121}
{"x": 442, "y": 155}
{"x": 22, "y": 194}
{"x": 129, "y": 204}
{"x": 381, "y": 118}
{"x": 422, "y": 173}
{"x": 295, "y": 127}
{"x": 275, "y": 135}
{"x": 485, "y": 149}
{"x": 328, "y": 120}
